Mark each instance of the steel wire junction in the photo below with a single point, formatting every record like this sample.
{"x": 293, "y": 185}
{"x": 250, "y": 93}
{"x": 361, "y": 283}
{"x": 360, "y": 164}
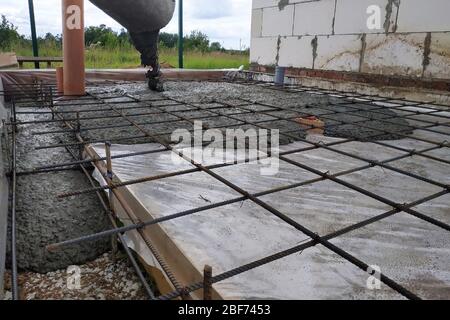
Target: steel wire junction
{"x": 123, "y": 106}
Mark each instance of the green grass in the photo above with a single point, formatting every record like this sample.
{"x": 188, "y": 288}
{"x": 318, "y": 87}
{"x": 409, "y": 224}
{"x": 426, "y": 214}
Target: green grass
{"x": 128, "y": 57}
{"x": 210, "y": 60}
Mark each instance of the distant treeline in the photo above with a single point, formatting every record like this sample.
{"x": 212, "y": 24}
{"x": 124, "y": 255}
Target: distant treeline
{"x": 105, "y": 37}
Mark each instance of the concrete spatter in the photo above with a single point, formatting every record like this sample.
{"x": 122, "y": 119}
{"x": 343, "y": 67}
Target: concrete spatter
{"x": 282, "y": 4}
{"x": 43, "y": 219}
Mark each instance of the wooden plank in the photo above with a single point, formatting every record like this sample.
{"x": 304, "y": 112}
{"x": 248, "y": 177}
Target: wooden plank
{"x": 8, "y": 60}
{"x": 39, "y": 59}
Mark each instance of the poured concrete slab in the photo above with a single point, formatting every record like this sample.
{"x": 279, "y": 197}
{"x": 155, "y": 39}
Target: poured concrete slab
{"x": 413, "y": 252}
{"x": 410, "y": 251}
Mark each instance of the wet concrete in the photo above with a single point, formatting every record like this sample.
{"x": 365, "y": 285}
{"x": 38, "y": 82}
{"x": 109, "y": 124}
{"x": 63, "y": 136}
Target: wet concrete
{"x": 342, "y": 118}
{"x": 43, "y": 219}
{"x": 338, "y": 125}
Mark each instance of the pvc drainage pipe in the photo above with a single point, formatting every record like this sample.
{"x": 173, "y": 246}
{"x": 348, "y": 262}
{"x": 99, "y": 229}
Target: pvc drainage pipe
{"x": 279, "y": 75}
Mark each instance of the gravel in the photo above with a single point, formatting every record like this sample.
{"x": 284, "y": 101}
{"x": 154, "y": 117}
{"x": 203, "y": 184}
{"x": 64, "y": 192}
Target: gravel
{"x": 101, "y": 279}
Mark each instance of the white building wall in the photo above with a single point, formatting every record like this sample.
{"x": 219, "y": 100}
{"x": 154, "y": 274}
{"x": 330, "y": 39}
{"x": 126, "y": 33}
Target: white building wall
{"x": 413, "y": 39}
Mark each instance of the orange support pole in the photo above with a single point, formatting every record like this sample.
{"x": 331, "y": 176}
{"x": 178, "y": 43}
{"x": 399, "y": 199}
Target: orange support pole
{"x": 73, "y": 47}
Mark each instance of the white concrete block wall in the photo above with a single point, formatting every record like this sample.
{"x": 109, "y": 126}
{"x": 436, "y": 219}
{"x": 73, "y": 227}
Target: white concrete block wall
{"x": 394, "y": 54}
{"x": 413, "y": 38}
{"x": 290, "y": 47}
{"x": 439, "y": 56}
{"x": 257, "y": 16}
{"x": 313, "y": 18}
{"x": 276, "y": 22}
{"x": 330, "y": 55}
{"x": 264, "y": 51}
{"x": 424, "y": 16}
{"x": 347, "y": 21}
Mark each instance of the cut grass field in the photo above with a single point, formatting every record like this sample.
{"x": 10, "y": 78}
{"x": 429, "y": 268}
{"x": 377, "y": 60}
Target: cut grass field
{"x": 128, "y": 57}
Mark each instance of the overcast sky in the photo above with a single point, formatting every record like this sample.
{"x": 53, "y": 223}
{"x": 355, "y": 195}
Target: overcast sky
{"x": 225, "y": 21}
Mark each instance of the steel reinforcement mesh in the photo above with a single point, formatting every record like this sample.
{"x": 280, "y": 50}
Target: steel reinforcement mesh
{"x": 90, "y": 119}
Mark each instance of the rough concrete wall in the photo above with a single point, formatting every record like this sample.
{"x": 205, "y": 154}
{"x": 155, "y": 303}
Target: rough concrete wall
{"x": 413, "y": 38}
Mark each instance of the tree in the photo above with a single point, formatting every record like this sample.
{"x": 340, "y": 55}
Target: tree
{"x": 50, "y": 41}
{"x": 197, "y": 41}
{"x": 102, "y": 35}
{"x": 124, "y": 38}
{"x": 49, "y": 38}
{"x": 105, "y": 37}
{"x": 215, "y": 46}
{"x": 8, "y": 34}
{"x": 168, "y": 40}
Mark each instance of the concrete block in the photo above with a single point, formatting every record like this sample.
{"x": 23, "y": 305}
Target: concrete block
{"x": 257, "y": 16}
{"x": 296, "y": 52}
{"x": 264, "y": 51}
{"x": 314, "y": 18}
{"x": 424, "y": 16}
{"x": 439, "y": 65}
{"x": 351, "y": 16}
{"x": 394, "y": 54}
{"x": 277, "y": 22}
{"x": 338, "y": 52}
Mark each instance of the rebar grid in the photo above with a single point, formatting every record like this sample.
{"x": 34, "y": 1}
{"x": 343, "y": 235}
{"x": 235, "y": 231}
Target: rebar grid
{"x": 324, "y": 240}
{"x": 13, "y": 178}
{"x": 108, "y": 178}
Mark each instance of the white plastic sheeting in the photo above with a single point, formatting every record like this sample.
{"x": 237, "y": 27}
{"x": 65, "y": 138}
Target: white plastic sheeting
{"x": 413, "y": 252}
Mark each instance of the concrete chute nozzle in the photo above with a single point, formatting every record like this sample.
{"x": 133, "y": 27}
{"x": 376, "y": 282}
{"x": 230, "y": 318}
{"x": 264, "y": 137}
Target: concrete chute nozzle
{"x": 143, "y": 19}
{"x": 147, "y": 44}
